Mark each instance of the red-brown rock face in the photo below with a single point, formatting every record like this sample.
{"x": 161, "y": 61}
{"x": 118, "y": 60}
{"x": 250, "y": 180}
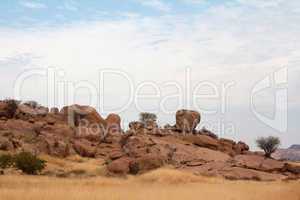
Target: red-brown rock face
{"x": 86, "y": 115}
{"x": 113, "y": 122}
{"x": 120, "y": 166}
{"x": 187, "y": 120}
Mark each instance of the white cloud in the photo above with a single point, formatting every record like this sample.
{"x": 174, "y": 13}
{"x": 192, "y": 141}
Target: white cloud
{"x": 156, "y": 4}
{"x": 32, "y": 4}
{"x": 216, "y": 45}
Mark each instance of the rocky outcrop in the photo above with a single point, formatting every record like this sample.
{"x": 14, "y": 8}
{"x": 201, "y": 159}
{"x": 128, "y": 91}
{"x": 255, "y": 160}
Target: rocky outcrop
{"x": 224, "y": 145}
{"x": 28, "y": 112}
{"x": 142, "y": 148}
{"x": 84, "y": 115}
{"x": 187, "y": 120}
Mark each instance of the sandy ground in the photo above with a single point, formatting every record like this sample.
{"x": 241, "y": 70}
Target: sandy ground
{"x": 160, "y": 184}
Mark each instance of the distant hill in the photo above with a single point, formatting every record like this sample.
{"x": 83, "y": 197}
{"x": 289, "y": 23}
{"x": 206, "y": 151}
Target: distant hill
{"x": 295, "y": 146}
{"x": 292, "y": 153}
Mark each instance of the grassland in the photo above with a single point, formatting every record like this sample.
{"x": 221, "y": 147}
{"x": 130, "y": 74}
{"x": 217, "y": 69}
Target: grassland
{"x": 161, "y": 184}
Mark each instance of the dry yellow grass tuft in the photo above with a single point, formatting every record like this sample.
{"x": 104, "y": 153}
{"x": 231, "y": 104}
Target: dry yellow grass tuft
{"x": 161, "y": 184}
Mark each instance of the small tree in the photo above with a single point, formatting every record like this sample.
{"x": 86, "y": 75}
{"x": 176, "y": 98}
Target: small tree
{"x": 29, "y": 163}
{"x": 145, "y": 117}
{"x": 268, "y": 144}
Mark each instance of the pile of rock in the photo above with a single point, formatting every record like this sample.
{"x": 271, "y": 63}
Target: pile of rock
{"x": 81, "y": 130}
{"x": 73, "y": 130}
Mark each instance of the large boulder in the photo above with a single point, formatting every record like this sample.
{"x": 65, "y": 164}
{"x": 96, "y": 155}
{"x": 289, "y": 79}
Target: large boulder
{"x": 115, "y": 154}
{"x": 76, "y": 115}
{"x": 187, "y": 120}
{"x": 227, "y": 145}
{"x": 146, "y": 163}
{"x": 241, "y": 148}
{"x": 113, "y": 122}
{"x": 119, "y": 166}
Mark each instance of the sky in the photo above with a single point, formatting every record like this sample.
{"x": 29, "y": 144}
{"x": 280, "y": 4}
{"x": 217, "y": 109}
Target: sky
{"x": 235, "y": 61}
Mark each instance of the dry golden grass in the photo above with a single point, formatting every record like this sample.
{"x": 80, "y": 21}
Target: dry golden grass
{"x": 160, "y": 184}
{"x": 87, "y": 166}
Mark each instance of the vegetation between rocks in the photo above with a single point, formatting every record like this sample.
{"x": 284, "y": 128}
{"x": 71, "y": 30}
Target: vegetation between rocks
{"x": 25, "y": 161}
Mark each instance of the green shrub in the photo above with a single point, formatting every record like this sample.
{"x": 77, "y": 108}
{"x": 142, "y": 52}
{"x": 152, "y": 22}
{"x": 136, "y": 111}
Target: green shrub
{"x": 6, "y": 161}
{"x": 29, "y": 163}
